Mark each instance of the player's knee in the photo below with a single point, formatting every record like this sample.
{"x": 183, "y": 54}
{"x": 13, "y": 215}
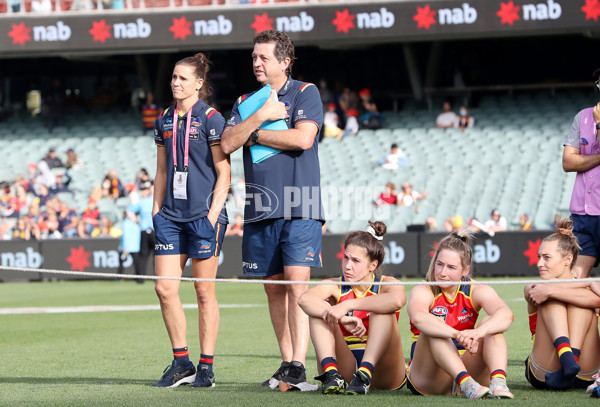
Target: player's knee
{"x": 164, "y": 290}
{"x": 204, "y": 293}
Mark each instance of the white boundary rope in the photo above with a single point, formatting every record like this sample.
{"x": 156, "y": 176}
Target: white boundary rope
{"x": 259, "y": 280}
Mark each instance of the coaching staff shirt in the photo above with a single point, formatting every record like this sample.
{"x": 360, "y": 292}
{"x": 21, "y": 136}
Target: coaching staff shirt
{"x": 288, "y": 184}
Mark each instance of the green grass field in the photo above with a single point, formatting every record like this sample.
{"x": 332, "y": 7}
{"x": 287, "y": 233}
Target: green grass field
{"x": 112, "y": 358}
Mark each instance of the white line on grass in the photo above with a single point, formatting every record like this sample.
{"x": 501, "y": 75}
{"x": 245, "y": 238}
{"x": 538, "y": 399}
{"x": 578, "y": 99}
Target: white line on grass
{"x": 107, "y": 308}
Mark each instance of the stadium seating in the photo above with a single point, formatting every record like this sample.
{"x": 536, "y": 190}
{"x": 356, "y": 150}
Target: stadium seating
{"x": 510, "y": 160}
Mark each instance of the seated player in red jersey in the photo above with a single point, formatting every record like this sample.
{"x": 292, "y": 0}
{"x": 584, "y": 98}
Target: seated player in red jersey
{"x": 354, "y": 328}
{"x": 566, "y": 345}
{"x": 452, "y": 353}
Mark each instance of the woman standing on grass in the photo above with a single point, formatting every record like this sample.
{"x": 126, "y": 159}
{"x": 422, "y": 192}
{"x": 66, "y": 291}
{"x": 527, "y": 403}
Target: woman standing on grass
{"x": 190, "y": 189}
{"x": 354, "y": 328}
{"x": 451, "y": 353}
{"x": 564, "y": 327}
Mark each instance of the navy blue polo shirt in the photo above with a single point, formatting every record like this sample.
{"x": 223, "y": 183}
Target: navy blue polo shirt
{"x": 286, "y": 185}
{"x": 205, "y": 131}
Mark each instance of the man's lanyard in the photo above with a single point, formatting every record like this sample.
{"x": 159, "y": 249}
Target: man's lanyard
{"x": 186, "y": 142}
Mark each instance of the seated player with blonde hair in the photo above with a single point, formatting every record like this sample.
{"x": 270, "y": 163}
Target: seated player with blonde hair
{"x": 451, "y": 353}
{"x": 564, "y": 327}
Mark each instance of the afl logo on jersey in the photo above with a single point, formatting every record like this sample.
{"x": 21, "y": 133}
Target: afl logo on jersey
{"x": 440, "y": 311}
{"x": 287, "y": 105}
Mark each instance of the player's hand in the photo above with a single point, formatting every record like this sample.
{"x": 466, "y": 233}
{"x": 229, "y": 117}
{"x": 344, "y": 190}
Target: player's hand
{"x": 333, "y": 314}
{"x": 272, "y": 109}
{"x": 540, "y": 293}
{"x": 469, "y": 339}
{"x": 354, "y": 325}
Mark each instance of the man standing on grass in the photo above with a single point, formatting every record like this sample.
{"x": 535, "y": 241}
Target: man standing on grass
{"x": 582, "y": 155}
{"x": 283, "y": 210}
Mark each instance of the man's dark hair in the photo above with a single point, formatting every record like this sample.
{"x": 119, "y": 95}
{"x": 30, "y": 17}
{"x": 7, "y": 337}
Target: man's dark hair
{"x": 284, "y": 47}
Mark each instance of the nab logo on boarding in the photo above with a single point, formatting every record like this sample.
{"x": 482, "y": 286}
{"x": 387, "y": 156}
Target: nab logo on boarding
{"x": 425, "y": 16}
{"x": 20, "y": 33}
{"x": 344, "y": 21}
{"x": 303, "y": 22}
{"x": 101, "y": 31}
{"x": 509, "y": 12}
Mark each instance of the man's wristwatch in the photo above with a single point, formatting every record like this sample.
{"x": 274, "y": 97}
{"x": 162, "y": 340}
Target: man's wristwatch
{"x": 254, "y": 136}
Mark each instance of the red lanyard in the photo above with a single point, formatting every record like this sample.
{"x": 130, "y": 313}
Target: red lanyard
{"x": 187, "y": 139}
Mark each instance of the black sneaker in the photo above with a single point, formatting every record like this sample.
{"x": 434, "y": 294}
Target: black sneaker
{"x": 296, "y": 373}
{"x": 273, "y": 381}
{"x": 175, "y": 375}
{"x": 358, "y": 385}
{"x": 333, "y": 382}
{"x": 204, "y": 377}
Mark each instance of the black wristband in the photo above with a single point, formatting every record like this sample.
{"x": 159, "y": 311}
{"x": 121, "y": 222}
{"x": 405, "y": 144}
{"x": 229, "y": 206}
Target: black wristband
{"x": 598, "y": 126}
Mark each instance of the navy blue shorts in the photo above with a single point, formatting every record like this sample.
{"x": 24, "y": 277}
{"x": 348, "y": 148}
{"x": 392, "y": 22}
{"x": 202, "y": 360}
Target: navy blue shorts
{"x": 587, "y": 230}
{"x": 198, "y": 239}
{"x": 269, "y": 245}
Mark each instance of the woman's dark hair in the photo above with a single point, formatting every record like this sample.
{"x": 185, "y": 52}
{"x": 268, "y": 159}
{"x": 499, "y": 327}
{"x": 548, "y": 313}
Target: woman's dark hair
{"x": 368, "y": 240}
{"x": 201, "y": 65}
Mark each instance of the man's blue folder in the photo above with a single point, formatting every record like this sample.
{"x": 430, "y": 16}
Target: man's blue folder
{"x": 247, "y": 109}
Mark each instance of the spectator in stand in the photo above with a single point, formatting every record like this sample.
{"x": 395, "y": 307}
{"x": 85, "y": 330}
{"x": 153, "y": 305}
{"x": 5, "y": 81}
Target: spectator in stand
{"x": 106, "y": 229}
{"x": 25, "y": 229}
{"x": 348, "y": 100}
{"x": 142, "y": 177}
{"x": 331, "y": 123}
{"x": 388, "y": 197}
{"x": 22, "y": 199}
{"x": 52, "y": 160}
{"x": 112, "y": 186}
{"x": 447, "y": 119}
{"x": 369, "y": 116}
{"x": 525, "y": 222}
{"x": 464, "y": 120}
{"x": 32, "y": 177}
{"x": 89, "y": 219}
{"x": 237, "y": 227}
{"x": 497, "y": 223}
{"x": 149, "y": 113}
{"x": 351, "y": 123}
{"x": 326, "y": 94}
{"x": 453, "y": 223}
{"x": 46, "y": 176}
{"x": 394, "y": 159}
{"x": 67, "y": 220}
{"x": 130, "y": 245}
{"x": 73, "y": 160}
{"x": 15, "y": 5}
{"x": 9, "y": 212}
{"x": 409, "y": 197}
{"x": 43, "y": 195}
{"x": 51, "y": 229}
{"x": 143, "y": 209}
{"x": 431, "y": 224}
{"x": 63, "y": 180}
{"x": 41, "y": 6}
